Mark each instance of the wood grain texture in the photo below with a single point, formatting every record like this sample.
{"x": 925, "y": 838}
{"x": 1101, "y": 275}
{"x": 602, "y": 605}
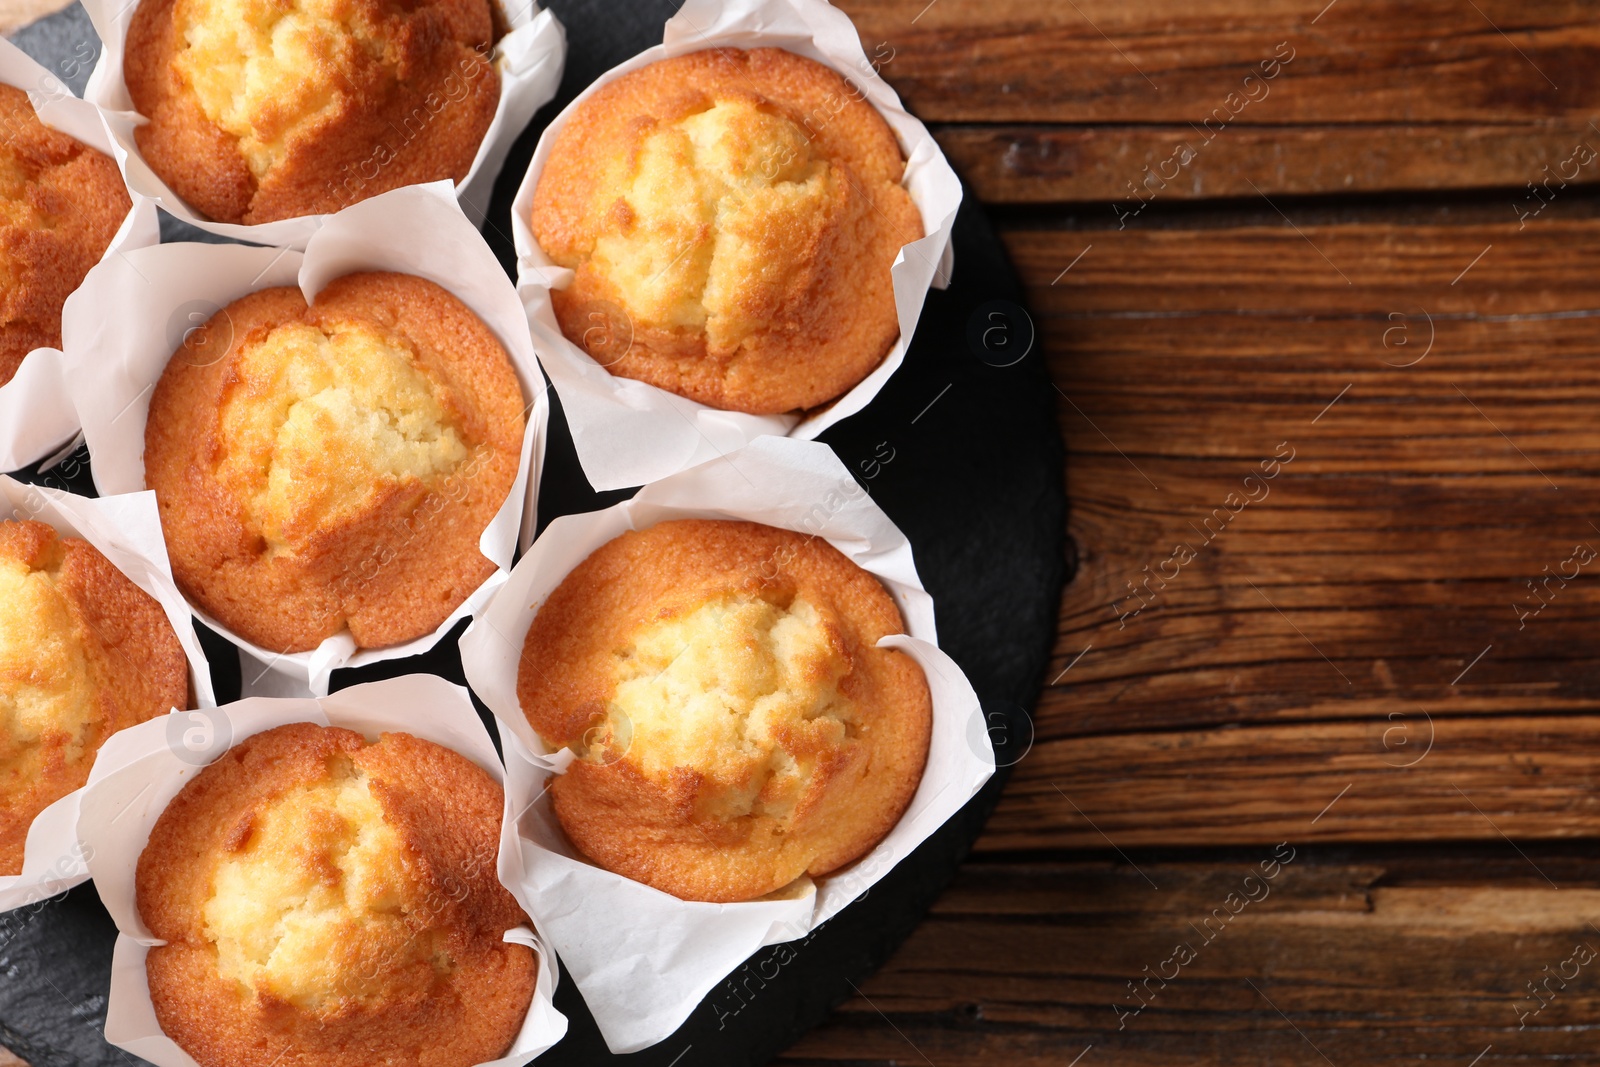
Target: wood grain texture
{"x": 1377, "y": 589}
{"x": 1157, "y": 61}
{"x": 1383, "y": 959}
{"x": 1402, "y": 774}
{"x": 1282, "y": 97}
{"x": 1039, "y": 164}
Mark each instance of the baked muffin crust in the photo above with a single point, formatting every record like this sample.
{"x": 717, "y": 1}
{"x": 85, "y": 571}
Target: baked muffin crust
{"x": 732, "y": 217}
{"x": 336, "y": 466}
{"x": 268, "y": 109}
{"x": 329, "y": 901}
{"x": 735, "y": 725}
{"x": 83, "y": 653}
{"x": 61, "y": 203}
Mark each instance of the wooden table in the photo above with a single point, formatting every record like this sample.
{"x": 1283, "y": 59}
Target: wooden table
{"x": 1345, "y": 275}
{"x": 1338, "y": 675}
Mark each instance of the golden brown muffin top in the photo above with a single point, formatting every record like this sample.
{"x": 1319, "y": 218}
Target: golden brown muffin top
{"x": 83, "y": 653}
{"x": 735, "y": 725}
{"x": 61, "y": 202}
{"x": 334, "y": 901}
{"x": 737, "y": 213}
{"x": 321, "y": 417}
{"x": 268, "y": 109}
{"x": 335, "y": 464}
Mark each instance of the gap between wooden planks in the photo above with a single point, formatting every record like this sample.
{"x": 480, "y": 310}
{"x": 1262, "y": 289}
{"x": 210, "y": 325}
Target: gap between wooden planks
{"x": 1366, "y": 621}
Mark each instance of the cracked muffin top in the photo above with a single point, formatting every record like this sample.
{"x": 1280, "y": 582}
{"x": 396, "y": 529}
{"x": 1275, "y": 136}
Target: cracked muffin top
{"x": 61, "y": 203}
{"x": 83, "y": 653}
{"x": 731, "y": 218}
{"x": 736, "y": 725}
{"x": 332, "y": 466}
{"x": 268, "y": 109}
{"x": 329, "y": 901}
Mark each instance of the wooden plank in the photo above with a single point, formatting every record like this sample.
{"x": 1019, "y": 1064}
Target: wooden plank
{"x": 1401, "y": 774}
{"x": 1352, "y": 271}
{"x": 1337, "y": 961}
{"x": 1014, "y": 164}
{"x": 1159, "y": 61}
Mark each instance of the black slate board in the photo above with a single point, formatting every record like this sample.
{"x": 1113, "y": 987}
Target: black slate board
{"x": 960, "y": 448}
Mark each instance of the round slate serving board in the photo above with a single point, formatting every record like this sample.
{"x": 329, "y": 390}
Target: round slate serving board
{"x": 960, "y": 449}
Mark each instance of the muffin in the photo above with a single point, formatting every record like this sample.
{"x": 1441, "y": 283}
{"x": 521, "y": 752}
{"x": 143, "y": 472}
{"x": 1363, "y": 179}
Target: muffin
{"x": 262, "y": 110}
{"x": 334, "y": 467}
{"x": 736, "y": 726}
{"x": 83, "y": 653}
{"x": 326, "y": 901}
{"x": 61, "y": 203}
{"x": 731, "y": 218}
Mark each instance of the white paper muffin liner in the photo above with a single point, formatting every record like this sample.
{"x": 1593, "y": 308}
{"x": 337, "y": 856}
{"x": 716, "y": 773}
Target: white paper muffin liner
{"x": 529, "y": 58}
{"x": 653, "y": 957}
{"x": 142, "y": 769}
{"x": 131, "y": 314}
{"x": 127, "y": 531}
{"x": 37, "y": 416}
{"x": 629, "y": 433}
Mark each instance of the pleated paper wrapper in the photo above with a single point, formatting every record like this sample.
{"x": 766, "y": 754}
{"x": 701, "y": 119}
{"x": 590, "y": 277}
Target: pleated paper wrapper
{"x": 530, "y": 59}
{"x": 644, "y": 959}
{"x": 131, "y": 315}
{"x": 127, "y": 531}
{"x": 142, "y": 769}
{"x": 629, "y": 433}
{"x": 37, "y": 416}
